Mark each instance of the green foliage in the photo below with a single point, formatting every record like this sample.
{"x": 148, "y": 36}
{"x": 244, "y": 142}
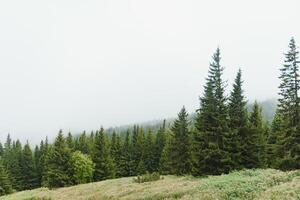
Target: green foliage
{"x": 5, "y": 184}
{"x": 125, "y": 158}
{"x": 289, "y": 108}
{"x": 181, "y": 152}
{"x": 211, "y": 155}
{"x": 104, "y": 167}
{"x": 147, "y": 177}
{"x": 57, "y": 168}
{"x": 116, "y": 151}
{"x": 29, "y": 174}
{"x": 82, "y": 168}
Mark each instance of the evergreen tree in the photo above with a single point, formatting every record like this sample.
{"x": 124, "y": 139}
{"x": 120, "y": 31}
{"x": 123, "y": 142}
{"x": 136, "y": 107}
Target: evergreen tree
{"x": 276, "y": 135}
{"x": 70, "y": 141}
{"x": 5, "y": 184}
{"x": 181, "y": 154}
{"x": 125, "y": 160}
{"x": 57, "y": 166}
{"x": 136, "y": 148}
{"x": 28, "y": 169}
{"x": 254, "y": 141}
{"x": 159, "y": 145}
{"x": 288, "y": 143}
{"x": 115, "y": 152}
{"x": 210, "y": 151}
{"x": 37, "y": 157}
{"x": 237, "y": 105}
{"x": 83, "y": 144}
{"x": 165, "y": 164}
{"x": 104, "y": 168}
{"x": 238, "y": 120}
{"x": 148, "y": 156}
{"x": 289, "y": 86}
{"x": 42, "y": 167}
{"x": 14, "y": 166}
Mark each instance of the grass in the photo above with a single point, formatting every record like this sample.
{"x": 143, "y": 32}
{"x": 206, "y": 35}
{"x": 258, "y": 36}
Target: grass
{"x": 240, "y": 185}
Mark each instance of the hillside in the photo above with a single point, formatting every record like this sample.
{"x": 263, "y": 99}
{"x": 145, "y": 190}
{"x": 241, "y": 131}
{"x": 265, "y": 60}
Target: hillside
{"x": 248, "y": 184}
{"x": 268, "y": 110}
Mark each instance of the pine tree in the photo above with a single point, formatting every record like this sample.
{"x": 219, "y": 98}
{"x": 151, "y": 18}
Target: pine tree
{"x": 83, "y": 144}
{"x": 210, "y": 151}
{"x": 181, "y": 154}
{"x": 148, "y": 156}
{"x": 159, "y": 145}
{"x": 125, "y": 159}
{"x": 14, "y": 166}
{"x": 238, "y": 120}
{"x": 288, "y": 143}
{"x": 104, "y": 168}
{"x": 42, "y": 167}
{"x": 290, "y": 85}
{"x": 57, "y": 167}
{"x": 237, "y": 104}
{"x": 70, "y": 141}
{"x": 5, "y": 184}
{"x": 253, "y": 149}
{"x": 37, "y": 157}
{"x": 115, "y": 152}
{"x": 136, "y": 148}
{"x": 28, "y": 169}
{"x": 276, "y": 135}
{"x": 165, "y": 164}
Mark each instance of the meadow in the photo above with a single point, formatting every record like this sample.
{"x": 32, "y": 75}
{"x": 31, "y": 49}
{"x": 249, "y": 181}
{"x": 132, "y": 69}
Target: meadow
{"x": 260, "y": 184}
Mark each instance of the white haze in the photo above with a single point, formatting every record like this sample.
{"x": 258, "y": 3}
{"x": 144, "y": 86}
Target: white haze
{"x": 77, "y": 65}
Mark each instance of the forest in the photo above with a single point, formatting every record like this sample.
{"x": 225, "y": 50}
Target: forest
{"x": 223, "y": 137}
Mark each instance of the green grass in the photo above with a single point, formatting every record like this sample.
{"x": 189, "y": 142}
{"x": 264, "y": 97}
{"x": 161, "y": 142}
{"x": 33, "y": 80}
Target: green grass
{"x": 240, "y": 185}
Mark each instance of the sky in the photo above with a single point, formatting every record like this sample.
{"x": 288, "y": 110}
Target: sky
{"x": 79, "y": 65}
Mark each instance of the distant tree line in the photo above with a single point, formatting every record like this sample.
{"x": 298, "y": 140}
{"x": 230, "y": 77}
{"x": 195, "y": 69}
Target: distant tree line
{"x": 223, "y": 137}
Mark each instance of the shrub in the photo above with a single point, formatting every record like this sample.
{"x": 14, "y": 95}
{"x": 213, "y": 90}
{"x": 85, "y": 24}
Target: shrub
{"x": 82, "y": 168}
{"x": 148, "y": 177}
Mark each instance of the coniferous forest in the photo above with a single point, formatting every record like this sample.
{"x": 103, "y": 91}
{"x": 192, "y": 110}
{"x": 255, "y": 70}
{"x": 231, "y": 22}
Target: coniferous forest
{"x": 223, "y": 136}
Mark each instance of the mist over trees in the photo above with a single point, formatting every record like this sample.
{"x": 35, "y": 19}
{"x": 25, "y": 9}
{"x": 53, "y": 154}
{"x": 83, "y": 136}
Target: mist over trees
{"x": 223, "y": 136}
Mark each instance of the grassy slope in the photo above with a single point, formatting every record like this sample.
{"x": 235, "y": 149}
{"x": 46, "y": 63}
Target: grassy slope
{"x": 249, "y": 184}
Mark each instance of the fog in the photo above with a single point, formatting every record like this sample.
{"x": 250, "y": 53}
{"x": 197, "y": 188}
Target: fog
{"x": 75, "y": 65}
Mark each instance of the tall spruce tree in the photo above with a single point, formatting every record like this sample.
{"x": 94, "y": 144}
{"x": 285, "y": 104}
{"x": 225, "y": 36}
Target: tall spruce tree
{"x": 211, "y": 154}
{"x": 290, "y": 85}
{"x": 290, "y": 109}
{"x": 238, "y": 116}
{"x": 238, "y": 120}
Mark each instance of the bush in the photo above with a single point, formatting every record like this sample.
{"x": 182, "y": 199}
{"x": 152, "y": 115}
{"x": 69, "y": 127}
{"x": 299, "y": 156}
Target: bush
{"x": 82, "y": 168}
{"x": 147, "y": 177}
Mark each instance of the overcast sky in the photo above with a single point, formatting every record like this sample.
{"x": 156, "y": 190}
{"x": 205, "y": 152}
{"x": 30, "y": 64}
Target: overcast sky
{"x": 77, "y": 65}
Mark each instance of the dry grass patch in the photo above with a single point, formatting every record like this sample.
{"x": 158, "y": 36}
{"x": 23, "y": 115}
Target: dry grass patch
{"x": 242, "y": 185}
